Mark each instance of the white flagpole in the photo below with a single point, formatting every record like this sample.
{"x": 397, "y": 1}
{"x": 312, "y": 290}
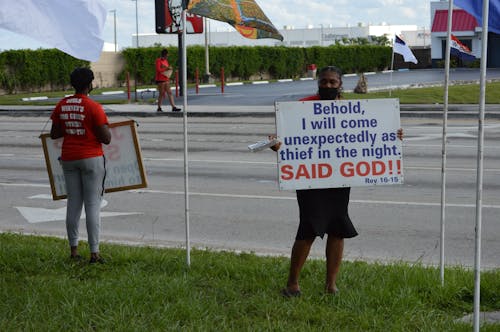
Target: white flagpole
{"x": 479, "y": 181}
{"x": 186, "y": 160}
{"x": 444, "y": 145}
{"x": 392, "y": 68}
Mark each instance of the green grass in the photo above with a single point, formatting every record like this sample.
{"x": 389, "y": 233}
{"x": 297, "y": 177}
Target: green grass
{"x": 151, "y": 289}
{"x": 458, "y": 94}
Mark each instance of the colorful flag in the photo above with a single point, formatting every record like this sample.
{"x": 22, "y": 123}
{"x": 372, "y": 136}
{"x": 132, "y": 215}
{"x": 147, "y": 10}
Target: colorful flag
{"x": 245, "y": 16}
{"x": 475, "y": 8}
{"x": 460, "y": 50}
{"x": 400, "y": 47}
{"x": 74, "y": 27}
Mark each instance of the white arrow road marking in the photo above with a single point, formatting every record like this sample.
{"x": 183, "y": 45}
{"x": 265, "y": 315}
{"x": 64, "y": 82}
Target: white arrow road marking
{"x": 38, "y": 215}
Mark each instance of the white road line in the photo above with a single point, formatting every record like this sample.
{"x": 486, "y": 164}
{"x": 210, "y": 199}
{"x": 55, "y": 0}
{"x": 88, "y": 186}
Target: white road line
{"x": 152, "y": 191}
{"x": 32, "y": 185}
{"x": 112, "y": 92}
{"x": 293, "y": 198}
{"x": 213, "y": 161}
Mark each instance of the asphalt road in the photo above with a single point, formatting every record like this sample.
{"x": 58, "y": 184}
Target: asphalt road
{"x": 235, "y": 203}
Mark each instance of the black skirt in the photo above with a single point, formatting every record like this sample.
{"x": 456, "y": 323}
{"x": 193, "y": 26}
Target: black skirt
{"x": 324, "y": 211}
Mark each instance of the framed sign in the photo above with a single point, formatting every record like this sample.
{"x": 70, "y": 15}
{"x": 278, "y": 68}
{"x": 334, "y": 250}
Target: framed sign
{"x": 338, "y": 143}
{"x": 124, "y": 167}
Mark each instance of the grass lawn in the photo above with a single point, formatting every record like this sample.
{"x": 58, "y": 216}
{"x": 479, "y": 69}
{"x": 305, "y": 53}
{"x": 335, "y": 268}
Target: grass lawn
{"x": 457, "y": 94}
{"x": 151, "y": 289}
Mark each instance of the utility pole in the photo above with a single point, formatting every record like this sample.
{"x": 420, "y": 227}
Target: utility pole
{"x": 114, "y": 26}
{"x": 137, "y": 45}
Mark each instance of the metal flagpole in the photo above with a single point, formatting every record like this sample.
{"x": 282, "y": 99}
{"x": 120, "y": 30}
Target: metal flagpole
{"x": 207, "y": 42}
{"x": 392, "y": 67}
{"x": 479, "y": 181}
{"x": 186, "y": 160}
{"x": 444, "y": 145}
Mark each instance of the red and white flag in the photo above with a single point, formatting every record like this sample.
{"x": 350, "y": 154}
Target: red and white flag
{"x": 460, "y": 50}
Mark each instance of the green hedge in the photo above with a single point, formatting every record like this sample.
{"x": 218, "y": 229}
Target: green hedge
{"x": 34, "y": 70}
{"x": 242, "y": 62}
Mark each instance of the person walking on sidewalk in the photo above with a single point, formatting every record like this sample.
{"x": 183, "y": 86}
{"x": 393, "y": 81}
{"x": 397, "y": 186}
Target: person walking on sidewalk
{"x": 162, "y": 77}
{"x": 83, "y": 125}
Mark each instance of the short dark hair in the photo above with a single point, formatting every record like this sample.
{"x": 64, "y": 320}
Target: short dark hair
{"x": 164, "y": 52}
{"x": 81, "y": 78}
{"x": 330, "y": 68}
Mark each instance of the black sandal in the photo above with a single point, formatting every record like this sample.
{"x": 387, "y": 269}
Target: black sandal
{"x": 94, "y": 260}
{"x": 285, "y": 292}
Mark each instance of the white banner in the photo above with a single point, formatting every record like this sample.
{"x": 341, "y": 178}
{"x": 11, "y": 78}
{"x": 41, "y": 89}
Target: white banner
{"x": 72, "y": 26}
{"x": 338, "y": 143}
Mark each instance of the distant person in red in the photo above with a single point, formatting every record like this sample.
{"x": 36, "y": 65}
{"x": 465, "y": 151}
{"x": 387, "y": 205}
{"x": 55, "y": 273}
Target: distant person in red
{"x": 162, "y": 77}
{"x": 84, "y": 127}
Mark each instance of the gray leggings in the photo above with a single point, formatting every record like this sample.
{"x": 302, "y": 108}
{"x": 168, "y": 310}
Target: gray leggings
{"x": 84, "y": 184}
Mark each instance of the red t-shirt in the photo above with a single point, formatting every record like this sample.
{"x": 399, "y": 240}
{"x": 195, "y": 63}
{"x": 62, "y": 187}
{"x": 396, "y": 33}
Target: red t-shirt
{"x": 161, "y": 66}
{"x": 78, "y": 115}
{"x": 313, "y": 97}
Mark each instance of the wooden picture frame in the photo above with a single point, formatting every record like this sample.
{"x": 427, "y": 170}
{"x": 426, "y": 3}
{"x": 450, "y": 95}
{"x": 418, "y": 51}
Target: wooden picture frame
{"x": 124, "y": 166}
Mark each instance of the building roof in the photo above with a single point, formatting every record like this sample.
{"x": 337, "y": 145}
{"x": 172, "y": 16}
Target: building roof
{"x": 461, "y": 21}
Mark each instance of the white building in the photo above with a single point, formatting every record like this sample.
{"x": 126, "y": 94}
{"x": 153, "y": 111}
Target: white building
{"x": 303, "y": 37}
{"x": 466, "y": 28}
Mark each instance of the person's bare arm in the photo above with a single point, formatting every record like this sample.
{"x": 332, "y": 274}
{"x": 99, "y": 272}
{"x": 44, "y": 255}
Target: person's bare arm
{"x": 56, "y": 131}
{"x": 103, "y": 134}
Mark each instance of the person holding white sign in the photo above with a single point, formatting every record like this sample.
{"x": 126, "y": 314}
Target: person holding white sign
{"x": 322, "y": 211}
{"x": 84, "y": 127}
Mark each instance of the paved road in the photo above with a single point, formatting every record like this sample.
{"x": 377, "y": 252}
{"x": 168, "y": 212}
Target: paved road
{"x": 235, "y": 203}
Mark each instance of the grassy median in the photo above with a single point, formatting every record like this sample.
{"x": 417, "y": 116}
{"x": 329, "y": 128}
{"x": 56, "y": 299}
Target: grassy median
{"x": 151, "y": 289}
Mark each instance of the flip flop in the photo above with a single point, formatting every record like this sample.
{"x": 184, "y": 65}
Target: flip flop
{"x": 285, "y": 292}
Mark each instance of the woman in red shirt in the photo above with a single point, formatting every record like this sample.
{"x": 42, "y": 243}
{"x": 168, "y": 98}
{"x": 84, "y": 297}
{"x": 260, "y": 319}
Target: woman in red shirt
{"x": 84, "y": 127}
{"x": 162, "y": 77}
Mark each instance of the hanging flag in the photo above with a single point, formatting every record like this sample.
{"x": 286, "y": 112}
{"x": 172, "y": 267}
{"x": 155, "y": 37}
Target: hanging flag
{"x": 475, "y": 8}
{"x": 245, "y": 16}
{"x": 74, "y": 27}
{"x": 460, "y": 50}
{"x": 400, "y": 47}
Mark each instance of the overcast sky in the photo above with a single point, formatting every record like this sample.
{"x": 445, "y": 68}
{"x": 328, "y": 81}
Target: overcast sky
{"x": 296, "y": 13}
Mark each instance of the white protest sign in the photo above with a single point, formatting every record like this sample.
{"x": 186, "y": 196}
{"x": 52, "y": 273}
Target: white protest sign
{"x": 338, "y": 143}
{"x": 124, "y": 168}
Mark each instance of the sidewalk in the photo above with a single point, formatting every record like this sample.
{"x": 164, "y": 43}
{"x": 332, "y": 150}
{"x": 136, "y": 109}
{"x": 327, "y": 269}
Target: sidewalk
{"x": 492, "y": 111}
